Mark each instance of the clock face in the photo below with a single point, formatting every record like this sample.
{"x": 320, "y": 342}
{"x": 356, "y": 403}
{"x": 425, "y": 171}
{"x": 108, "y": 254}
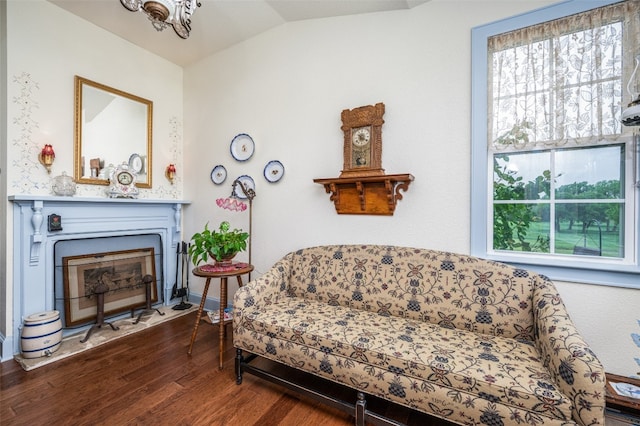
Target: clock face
{"x": 125, "y": 178}
{"x": 361, "y": 137}
{"x": 123, "y": 182}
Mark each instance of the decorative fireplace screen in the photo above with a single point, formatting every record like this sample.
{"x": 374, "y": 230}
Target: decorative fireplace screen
{"x": 121, "y": 271}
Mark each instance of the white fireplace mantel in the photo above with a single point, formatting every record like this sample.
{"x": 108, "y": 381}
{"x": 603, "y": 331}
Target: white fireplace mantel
{"x": 33, "y": 243}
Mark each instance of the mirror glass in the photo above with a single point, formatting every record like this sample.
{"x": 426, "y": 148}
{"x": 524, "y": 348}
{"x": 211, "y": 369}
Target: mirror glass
{"x": 111, "y": 127}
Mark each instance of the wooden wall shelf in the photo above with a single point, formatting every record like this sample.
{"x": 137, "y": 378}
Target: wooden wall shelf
{"x": 374, "y": 195}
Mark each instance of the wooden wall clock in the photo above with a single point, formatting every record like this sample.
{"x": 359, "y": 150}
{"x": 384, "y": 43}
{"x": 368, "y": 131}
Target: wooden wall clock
{"x": 363, "y": 187}
{"x": 362, "y": 129}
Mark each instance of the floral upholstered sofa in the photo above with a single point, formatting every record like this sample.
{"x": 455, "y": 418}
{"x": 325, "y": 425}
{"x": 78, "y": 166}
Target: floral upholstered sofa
{"x": 472, "y": 341}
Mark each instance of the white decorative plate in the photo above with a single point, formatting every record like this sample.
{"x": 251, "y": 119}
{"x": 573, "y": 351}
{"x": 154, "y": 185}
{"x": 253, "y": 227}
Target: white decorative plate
{"x": 135, "y": 163}
{"x": 273, "y": 171}
{"x": 248, "y": 183}
{"x": 242, "y": 147}
{"x": 218, "y": 174}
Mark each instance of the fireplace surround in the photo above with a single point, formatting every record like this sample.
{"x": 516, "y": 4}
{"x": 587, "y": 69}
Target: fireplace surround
{"x": 74, "y": 218}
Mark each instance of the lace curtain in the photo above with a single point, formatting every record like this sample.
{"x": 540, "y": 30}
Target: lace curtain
{"x": 562, "y": 82}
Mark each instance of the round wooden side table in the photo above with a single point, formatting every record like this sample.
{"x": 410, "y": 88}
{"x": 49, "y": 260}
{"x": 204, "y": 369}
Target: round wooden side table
{"x": 236, "y": 269}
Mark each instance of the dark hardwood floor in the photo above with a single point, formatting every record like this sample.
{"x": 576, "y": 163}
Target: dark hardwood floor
{"x": 148, "y": 379}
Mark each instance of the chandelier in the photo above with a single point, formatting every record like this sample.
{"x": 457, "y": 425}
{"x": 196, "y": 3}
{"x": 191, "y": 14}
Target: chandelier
{"x": 163, "y": 13}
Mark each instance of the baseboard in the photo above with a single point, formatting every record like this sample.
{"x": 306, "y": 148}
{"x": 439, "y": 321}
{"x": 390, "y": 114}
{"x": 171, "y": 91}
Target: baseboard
{"x": 211, "y": 304}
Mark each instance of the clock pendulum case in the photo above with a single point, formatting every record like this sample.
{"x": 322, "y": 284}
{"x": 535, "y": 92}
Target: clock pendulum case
{"x": 362, "y": 128}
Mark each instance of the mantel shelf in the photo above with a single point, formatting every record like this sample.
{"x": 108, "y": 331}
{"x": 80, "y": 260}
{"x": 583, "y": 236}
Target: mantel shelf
{"x": 374, "y": 195}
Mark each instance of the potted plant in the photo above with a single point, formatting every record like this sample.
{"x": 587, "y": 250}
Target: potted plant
{"x": 221, "y": 245}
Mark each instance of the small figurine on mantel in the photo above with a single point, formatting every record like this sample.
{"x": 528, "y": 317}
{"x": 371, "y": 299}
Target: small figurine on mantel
{"x": 122, "y": 182}
{"x": 94, "y": 165}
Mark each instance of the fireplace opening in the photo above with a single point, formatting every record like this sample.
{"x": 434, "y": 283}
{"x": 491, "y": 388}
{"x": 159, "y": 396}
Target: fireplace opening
{"x": 118, "y": 264}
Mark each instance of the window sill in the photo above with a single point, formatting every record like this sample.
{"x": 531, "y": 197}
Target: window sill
{"x": 610, "y": 274}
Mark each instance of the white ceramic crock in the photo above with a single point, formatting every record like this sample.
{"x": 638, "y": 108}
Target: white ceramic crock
{"x": 41, "y": 334}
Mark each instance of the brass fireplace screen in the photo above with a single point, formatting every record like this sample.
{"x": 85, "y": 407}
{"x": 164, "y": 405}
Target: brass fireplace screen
{"x": 121, "y": 271}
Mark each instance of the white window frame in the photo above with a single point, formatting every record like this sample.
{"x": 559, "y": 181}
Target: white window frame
{"x": 619, "y": 272}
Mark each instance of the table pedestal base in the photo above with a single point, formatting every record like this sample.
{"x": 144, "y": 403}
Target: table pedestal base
{"x": 236, "y": 270}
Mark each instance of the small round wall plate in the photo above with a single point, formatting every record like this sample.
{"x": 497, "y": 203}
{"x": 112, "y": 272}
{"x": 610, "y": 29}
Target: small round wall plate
{"x": 248, "y": 183}
{"x": 273, "y": 171}
{"x": 242, "y": 147}
{"x": 135, "y": 163}
{"x": 218, "y": 174}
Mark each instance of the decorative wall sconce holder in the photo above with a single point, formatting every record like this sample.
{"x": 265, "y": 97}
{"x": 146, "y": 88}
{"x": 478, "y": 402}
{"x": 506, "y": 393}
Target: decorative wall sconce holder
{"x": 46, "y": 157}
{"x": 170, "y": 173}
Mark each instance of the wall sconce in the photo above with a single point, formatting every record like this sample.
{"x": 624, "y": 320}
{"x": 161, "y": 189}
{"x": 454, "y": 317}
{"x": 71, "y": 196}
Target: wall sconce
{"x": 631, "y": 115}
{"x": 46, "y": 157}
{"x": 170, "y": 173}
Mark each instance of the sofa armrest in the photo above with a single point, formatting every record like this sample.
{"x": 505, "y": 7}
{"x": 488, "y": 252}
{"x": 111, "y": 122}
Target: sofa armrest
{"x": 574, "y": 367}
{"x": 265, "y": 290}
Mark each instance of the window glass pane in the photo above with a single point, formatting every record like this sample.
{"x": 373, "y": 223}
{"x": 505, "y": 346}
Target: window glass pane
{"x": 522, "y": 176}
{"x": 523, "y": 209}
{"x": 521, "y": 227}
{"x": 591, "y": 229}
{"x": 590, "y": 173}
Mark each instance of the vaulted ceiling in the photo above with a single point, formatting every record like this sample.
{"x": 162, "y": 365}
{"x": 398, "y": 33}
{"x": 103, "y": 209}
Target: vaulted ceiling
{"x": 217, "y": 24}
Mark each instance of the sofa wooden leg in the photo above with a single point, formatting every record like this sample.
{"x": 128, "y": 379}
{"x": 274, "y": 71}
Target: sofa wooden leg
{"x": 239, "y": 366}
{"x": 361, "y": 406}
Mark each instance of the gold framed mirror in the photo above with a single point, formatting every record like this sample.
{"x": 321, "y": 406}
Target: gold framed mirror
{"x": 111, "y": 127}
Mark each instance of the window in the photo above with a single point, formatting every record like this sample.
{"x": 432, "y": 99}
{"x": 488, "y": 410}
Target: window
{"x": 563, "y": 202}
{"x": 554, "y": 170}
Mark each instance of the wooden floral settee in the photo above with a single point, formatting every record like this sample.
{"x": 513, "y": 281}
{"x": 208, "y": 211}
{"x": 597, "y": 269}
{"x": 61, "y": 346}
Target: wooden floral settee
{"x": 468, "y": 340}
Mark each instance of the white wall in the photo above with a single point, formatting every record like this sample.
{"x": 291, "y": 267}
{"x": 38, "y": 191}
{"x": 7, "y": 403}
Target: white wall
{"x": 607, "y": 317}
{"x": 287, "y": 87}
{"x": 46, "y": 47}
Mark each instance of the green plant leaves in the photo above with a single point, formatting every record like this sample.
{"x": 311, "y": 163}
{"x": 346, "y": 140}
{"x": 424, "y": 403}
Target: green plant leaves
{"x": 217, "y": 244}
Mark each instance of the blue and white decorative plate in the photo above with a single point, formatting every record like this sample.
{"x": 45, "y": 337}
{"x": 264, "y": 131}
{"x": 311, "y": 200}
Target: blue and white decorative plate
{"x": 218, "y": 174}
{"x": 242, "y": 147}
{"x": 273, "y": 171}
{"x": 248, "y": 183}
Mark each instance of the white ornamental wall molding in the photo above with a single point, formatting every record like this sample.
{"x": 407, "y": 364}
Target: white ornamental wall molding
{"x": 29, "y": 177}
{"x": 162, "y": 187}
